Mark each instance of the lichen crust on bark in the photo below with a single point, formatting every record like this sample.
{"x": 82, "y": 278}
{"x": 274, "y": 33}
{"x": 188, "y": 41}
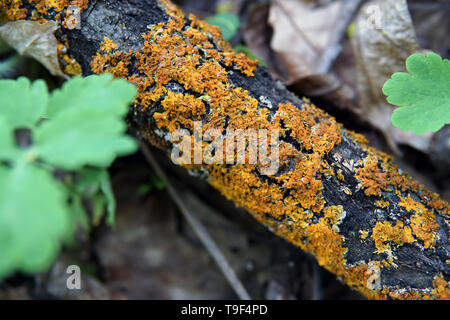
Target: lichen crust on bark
{"x": 333, "y": 195}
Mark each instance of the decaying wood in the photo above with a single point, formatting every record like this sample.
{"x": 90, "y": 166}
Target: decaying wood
{"x": 333, "y": 195}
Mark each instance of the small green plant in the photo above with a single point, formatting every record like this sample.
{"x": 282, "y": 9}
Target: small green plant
{"x": 154, "y": 183}
{"x": 423, "y": 94}
{"x": 54, "y": 151}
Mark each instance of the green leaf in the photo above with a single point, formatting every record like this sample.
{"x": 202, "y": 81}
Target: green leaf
{"x": 227, "y": 22}
{"x": 105, "y": 186}
{"x": 78, "y": 216}
{"x": 98, "y": 208}
{"x": 78, "y": 137}
{"x": 423, "y": 94}
{"x": 33, "y": 219}
{"x": 98, "y": 92}
{"x": 23, "y": 103}
{"x": 85, "y": 128}
{"x": 93, "y": 180}
{"x": 88, "y": 182}
{"x": 78, "y": 213}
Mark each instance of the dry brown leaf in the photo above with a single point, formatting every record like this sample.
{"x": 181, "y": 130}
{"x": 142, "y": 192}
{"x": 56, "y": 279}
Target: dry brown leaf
{"x": 35, "y": 40}
{"x": 257, "y": 35}
{"x": 301, "y": 32}
{"x": 307, "y": 39}
{"x": 384, "y": 37}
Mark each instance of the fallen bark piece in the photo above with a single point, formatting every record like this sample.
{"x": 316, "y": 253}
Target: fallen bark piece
{"x": 330, "y": 193}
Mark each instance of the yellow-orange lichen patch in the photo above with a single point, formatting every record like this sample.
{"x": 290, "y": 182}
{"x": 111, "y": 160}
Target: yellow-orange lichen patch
{"x": 326, "y": 245}
{"x": 340, "y": 175}
{"x": 441, "y": 288}
{"x": 325, "y": 136}
{"x": 423, "y": 222}
{"x": 180, "y": 111}
{"x": 303, "y": 182}
{"x": 371, "y": 177}
{"x": 196, "y": 36}
{"x": 116, "y": 63}
{"x": 384, "y": 232}
{"x": 298, "y": 121}
{"x": 433, "y": 200}
{"x": 424, "y": 227}
{"x": 72, "y": 67}
{"x": 108, "y": 45}
{"x": 357, "y": 137}
{"x": 12, "y": 10}
{"x": 326, "y": 169}
{"x": 363, "y": 234}
{"x": 382, "y": 203}
{"x": 385, "y": 173}
{"x": 182, "y": 73}
{"x": 333, "y": 215}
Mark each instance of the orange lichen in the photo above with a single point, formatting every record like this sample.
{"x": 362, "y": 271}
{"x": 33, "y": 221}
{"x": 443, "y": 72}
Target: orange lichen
{"x": 325, "y": 135}
{"x": 357, "y": 137}
{"x": 183, "y": 68}
{"x": 116, "y": 63}
{"x": 423, "y": 222}
{"x": 180, "y": 110}
{"x": 72, "y": 67}
{"x": 12, "y": 10}
{"x": 434, "y": 201}
{"x": 385, "y": 232}
{"x": 386, "y": 175}
{"x": 333, "y": 215}
{"x": 441, "y": 288}
{"x": 326, "y": 245}
{"x": 340, "y": 175}
{"x": 108, "y": 45}
{"x": 363, "y": 234}
{"x": 59, "y": 5}
{"x": 382, "y": 203}
{"x": 188, "y": 53}
{"x": 372, "y": 178}
{"x": 326, "y": 169}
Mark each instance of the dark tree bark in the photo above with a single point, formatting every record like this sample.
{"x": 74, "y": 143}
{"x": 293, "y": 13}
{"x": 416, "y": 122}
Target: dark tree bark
{"x": 333, "y": 195}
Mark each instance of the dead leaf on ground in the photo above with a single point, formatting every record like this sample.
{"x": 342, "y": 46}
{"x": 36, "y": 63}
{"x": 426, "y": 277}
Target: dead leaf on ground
{"x": 383, "y": 39}
{"x": 306, "y": 39}
{"x": 301, "y": 32}
{"x": 35, "y": 40}
{"x": 257, "y": 34}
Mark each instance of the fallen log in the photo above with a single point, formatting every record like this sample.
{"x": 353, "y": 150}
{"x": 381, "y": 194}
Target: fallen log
{"x": 320, "y": 186}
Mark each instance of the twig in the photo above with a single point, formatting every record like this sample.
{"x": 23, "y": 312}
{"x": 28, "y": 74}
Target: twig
{"x": 198, "y": 227}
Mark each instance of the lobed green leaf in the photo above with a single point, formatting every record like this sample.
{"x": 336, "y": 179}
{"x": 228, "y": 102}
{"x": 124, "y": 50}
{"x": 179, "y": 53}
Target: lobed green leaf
{"x": 23, "y": 103}
{"x": 97, "y": 92}
{"x": 33, "y": 219}
{"x": 82, "y": 136}
{"x": 423, "y": 94}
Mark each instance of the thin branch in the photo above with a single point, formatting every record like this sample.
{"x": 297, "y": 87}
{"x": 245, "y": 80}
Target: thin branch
{"x": 198, "y": 227}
